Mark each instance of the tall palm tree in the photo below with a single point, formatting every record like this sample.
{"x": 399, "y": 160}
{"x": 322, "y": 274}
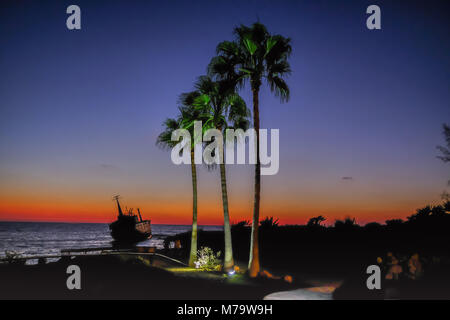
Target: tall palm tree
{"x": 253, "y": 56}
{"x": 221, "y": 108}
{"x": 187, "y": 113}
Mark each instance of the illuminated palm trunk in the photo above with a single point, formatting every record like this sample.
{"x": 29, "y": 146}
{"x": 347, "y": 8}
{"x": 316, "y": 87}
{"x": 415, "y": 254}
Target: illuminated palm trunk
{"x": 228, "y": 260}
{"x": 253, "y": 264}
{"x": 193, "y": 253}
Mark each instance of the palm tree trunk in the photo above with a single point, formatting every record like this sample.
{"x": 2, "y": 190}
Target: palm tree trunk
{"x": 193, "y": 253}
{"x": 253, "y": 264}
{"x": 228, "y": 261}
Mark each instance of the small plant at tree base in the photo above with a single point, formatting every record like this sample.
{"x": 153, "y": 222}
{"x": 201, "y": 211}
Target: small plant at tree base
{"x": 207, "y": 259}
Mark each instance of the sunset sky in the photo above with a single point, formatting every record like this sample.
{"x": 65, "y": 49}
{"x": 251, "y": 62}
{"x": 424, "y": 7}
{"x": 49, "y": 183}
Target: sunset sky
{"x": 80, "y": 110}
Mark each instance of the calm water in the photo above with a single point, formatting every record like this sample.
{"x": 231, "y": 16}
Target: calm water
{"x": 32, "y": 238}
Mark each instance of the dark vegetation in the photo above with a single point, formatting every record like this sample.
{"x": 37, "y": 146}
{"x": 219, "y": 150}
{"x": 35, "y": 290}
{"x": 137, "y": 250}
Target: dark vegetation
{"x": 345, "y": 249}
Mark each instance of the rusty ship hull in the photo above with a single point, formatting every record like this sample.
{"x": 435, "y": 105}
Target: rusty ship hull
{"x": 129, "y": 228}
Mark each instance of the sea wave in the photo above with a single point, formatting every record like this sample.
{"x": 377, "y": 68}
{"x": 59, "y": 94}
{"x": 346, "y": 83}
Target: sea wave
{"x": 41, "y": 238}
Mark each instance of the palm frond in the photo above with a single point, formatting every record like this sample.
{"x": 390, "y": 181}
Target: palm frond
{"x": 228, "y": 48}
{"x": 164, "y": 140}
{"x": 281, "y": 68}
{"x": 187, "y": 99}
{"x": 279, "y": 87}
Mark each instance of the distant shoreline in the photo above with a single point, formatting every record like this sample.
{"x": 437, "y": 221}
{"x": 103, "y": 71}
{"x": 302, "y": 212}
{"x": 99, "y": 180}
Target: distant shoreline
{"x": 66, "y": 222}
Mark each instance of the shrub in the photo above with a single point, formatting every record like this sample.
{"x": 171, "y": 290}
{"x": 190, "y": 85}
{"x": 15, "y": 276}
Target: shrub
{"x": 207, "y": 259}
{"x": 268, "y": 224}
{"x": 240, "y": 226}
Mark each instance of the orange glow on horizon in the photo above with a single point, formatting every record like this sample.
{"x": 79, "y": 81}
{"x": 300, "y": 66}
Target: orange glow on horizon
{"x": 178, "y": 214}
{"x": 166, "y": 206}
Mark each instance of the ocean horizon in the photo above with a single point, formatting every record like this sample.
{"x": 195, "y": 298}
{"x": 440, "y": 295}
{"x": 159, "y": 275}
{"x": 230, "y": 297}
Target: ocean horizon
{"x": 29, "y": 238}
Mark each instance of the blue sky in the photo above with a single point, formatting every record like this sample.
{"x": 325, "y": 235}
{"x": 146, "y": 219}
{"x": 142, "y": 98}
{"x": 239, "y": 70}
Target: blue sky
{"x": 81, "y": 110}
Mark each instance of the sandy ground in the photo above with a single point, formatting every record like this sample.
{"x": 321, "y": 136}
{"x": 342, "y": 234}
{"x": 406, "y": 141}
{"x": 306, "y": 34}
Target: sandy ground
{"x": 117, "y": 277}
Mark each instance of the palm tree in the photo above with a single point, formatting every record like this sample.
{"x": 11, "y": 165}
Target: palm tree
{"x": 164, "y": 140}
{"x": 221, "y": 108}
{"x": 254, "y": 55}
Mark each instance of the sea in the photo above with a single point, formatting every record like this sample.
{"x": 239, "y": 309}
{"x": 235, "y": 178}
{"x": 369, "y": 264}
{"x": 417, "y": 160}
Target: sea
{"x": 48, "y": 238}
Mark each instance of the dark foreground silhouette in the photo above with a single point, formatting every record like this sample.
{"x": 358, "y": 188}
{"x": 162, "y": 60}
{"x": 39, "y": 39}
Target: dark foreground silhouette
{"x": 413, "y": 255}
{"x": 115, "y": 277}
